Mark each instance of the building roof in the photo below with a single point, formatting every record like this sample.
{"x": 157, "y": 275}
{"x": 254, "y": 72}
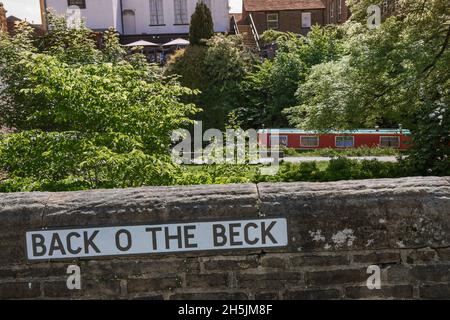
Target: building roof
{"x": 273, "y": 5}
{"x": 348, "y": 132}
{"x": 237, "y": 16}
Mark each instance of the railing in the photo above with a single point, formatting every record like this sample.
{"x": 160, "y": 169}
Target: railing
{"x": 255, "y": 32}
{"x": 235, "y": 26}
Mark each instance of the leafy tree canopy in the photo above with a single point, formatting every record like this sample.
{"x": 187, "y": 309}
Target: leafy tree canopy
{"x": 395, "y": 74}
{"x": 87, "y": 117}
{"x": 202, "y": 27}
{"x": 272, "y": 86}
{"x": 217, "y": 70}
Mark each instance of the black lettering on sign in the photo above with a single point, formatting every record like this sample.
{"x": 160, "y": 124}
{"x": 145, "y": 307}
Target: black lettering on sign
{"x": 265, "y": 233}
{"x": 178, "y": 236}
{"x": 154, "y": 237}
{"x": 127, "y": 237}
{"x": 219, "y": 232}
{"x": 188, "y": 236}
{"x": 56, "y": 244}
{"x": 89, "y": 242}
{"x": 234, "y": 234}
{"x": 70, "y": 249}
{"x": 247, "y": 231}
{"x": 39, "y": 248}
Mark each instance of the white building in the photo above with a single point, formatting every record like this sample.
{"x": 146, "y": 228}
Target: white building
{"x": 143, "y": 17}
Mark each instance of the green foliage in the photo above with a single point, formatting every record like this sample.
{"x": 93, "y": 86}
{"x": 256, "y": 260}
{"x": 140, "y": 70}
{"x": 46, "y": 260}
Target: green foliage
{"x": 335, "y": 170}
{"x": 397, "y": 73}
{"x": 70, "y": 45}
{"x": 272, "y": 86}
{"x": 430, "y": 152}
{"x": 347, "y": 152}
{"x": 217, "y": 174}
{"x": 341, "y": 169}
{"x": 201, "y": 27}
{"x": 217, "y": 70}
{"x": 93, "y": 120}
{"x": 189, "y": 65}
{"x": 67, "y": 161}
{"x": 271, "y": 36}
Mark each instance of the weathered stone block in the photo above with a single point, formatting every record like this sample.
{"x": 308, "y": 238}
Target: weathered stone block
{"x": 333, "y": 277}
{"x": 210, "y": 296}
{"x": 151, "y": 285}
{"x": 386, "y": 292}
{"x": 272, "y": 280}
{"x": 231, "y": 263}
{"x": 435, "y": 291}
{"x": 318, "y": 260}
{"x": 312, "y": 294}
{"x": 19, "y": 290}
{"x": 376, "y": 258}
{"x": 215, "y": 280}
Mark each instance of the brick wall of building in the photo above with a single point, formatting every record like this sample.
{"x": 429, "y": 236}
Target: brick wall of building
{"x": 336, "y": 11}
{"x": 335, "y": 231}
{"x": 288, "y": 21}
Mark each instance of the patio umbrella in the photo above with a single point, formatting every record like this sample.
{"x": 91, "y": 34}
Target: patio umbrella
{"x": 177, "y": 42}
{"x": 141, "y": 43}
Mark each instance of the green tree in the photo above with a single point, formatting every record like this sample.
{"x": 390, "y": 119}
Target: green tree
{"x": 397, "y": 73}
{"x": 216, "y": 70}
{"x": 272, "y": 86}
{"x": 202, "y": 27}
{"x": 99, "y": 121}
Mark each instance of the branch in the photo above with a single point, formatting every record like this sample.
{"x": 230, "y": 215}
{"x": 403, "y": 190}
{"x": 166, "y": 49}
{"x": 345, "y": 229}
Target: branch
{"x": 440, "y": 53}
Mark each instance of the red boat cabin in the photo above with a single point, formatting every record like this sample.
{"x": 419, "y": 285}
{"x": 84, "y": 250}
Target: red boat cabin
{"x": 305, "y": 140}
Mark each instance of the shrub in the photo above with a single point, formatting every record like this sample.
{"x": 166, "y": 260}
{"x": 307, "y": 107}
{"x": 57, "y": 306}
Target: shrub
{"x": 101, "y": 122}
{"x": 216, "y": 70}
{"x": 201, "y": 27}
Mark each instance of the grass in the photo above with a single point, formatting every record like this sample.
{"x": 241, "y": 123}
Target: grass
{"x": 350, "y": 152}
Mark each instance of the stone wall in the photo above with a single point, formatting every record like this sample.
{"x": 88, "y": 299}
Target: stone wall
{"x": 335, "y": 231}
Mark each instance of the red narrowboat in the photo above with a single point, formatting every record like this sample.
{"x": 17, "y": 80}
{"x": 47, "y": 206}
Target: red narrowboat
{"x": 306, "y": 140}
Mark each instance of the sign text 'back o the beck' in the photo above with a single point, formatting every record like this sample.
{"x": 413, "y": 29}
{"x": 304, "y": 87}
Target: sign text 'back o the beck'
{"x": 160, "y": 238}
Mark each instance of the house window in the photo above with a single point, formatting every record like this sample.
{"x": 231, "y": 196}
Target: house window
{"x": 306, "y": 19}
{"x": 181, "y": 15}
{"x": 279, "y": 140}
{"x": 345, "y": 142}
{"x": 390, "y": 142}
{"x": 156, "y": 13}
{"x": 309, "y": 141}
{"x": 272, "y": 21}
{"x": 79, "y": 3}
